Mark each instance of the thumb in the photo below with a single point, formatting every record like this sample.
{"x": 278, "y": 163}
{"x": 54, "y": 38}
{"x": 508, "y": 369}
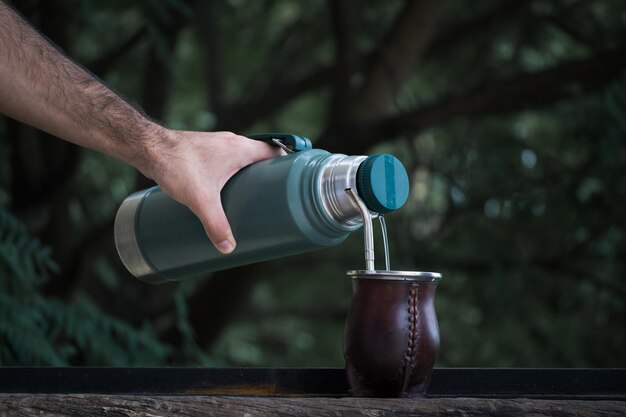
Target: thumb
{"x": 211, "y": 213}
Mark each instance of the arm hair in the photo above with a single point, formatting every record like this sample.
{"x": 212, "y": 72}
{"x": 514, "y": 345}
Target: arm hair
{"x": 40, "y": 86}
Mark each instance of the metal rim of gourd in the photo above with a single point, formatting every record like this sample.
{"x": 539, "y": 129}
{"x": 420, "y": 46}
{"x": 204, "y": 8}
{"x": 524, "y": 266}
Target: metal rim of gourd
{"x": 415, "y": 276}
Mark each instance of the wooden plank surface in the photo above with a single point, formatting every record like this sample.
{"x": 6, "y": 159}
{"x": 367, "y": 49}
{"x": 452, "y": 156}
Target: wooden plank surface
{"x": 135, "y": 406}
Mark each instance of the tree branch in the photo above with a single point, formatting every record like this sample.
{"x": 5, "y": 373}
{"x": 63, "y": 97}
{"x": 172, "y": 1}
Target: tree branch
{"x": 238, "y": 118}
{"x": 210, "y": 37}
{"x": 107, "y": 60}
{"x": 397, "y": 57}
{"x": 220, "y": 300}
{"x": 217, "y": 302}
{"x": 345, "y": 59}
{"x": 461, "y": 32}
{"x": 567, "y": 80}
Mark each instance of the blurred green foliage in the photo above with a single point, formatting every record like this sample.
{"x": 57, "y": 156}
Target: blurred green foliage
{"x": 520, "y": 208}
{"x": 43, "y": 331}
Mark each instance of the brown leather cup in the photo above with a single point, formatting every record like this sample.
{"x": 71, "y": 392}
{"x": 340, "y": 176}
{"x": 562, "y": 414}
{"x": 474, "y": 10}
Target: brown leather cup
{"x": 391, "y": 337}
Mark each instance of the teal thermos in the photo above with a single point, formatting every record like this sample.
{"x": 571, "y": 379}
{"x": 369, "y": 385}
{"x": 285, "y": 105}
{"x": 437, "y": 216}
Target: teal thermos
{"x": 283, "y": 206}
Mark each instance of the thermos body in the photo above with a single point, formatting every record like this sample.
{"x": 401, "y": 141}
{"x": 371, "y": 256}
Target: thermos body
{"x": 277, "y": 207}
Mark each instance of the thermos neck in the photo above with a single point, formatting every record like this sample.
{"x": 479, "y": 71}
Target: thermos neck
{"x": 379, "y": 180}
{"x": 338, "y": 174}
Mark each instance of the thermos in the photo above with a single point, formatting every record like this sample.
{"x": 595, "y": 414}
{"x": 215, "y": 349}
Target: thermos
{"x": 278, "y": 207}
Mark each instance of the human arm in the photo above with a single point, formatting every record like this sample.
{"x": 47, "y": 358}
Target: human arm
{"x": 41, "y": 87}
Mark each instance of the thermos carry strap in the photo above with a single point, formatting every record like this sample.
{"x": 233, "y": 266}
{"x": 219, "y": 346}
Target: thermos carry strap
{"x": 289, "y": 142}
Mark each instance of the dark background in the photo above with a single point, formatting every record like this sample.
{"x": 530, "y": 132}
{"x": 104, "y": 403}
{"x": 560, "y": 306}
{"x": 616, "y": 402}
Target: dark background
{"x": 510, "y": 117}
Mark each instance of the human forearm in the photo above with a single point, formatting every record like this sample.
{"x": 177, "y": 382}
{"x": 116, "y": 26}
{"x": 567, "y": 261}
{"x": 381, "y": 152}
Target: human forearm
{"x": 41, "y": 87}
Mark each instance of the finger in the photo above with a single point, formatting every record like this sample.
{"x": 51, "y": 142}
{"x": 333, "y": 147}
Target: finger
{"x": 211, "y": 213}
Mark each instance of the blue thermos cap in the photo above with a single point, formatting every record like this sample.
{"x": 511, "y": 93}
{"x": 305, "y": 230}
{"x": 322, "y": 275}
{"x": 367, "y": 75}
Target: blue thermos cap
{"x": 383, "y": 183}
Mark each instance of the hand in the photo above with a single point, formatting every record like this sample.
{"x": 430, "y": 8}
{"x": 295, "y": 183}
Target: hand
{"x": 193, "y": 167}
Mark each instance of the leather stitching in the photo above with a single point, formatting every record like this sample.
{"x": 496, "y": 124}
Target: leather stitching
{"x": 413, "y": 335}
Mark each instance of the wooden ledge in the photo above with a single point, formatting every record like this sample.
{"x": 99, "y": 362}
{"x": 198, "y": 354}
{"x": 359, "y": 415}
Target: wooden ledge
{"x": 130, "y": 405}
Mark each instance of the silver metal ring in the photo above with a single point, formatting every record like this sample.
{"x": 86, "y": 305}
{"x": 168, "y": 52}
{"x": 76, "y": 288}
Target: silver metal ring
{"x": 126, "y": 239}
{"x": 417, "y": 276}
{"x": 338, "y": 174}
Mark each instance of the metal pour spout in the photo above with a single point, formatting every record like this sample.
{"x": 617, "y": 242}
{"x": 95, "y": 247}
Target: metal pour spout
{"x": 368, "y": 230}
